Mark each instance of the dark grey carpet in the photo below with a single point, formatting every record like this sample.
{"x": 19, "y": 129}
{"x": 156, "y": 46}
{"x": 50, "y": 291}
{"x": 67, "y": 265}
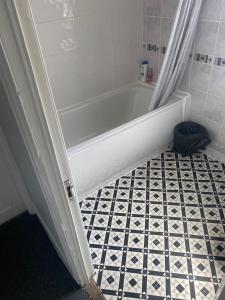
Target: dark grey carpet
{"x": 30, "y": 268}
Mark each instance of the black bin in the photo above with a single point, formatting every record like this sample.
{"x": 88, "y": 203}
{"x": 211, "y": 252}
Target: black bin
{"x": 189, "y": 137}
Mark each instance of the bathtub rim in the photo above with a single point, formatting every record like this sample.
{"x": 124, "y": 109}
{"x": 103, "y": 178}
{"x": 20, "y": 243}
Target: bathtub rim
{"x": 181, "y": 95}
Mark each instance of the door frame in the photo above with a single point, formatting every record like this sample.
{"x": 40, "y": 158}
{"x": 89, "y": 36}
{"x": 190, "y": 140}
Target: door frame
{"x": 41, "y": 133}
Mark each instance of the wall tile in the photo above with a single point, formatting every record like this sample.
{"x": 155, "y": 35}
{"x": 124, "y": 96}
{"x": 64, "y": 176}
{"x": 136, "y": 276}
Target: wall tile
{"x": 198, "y": 100}
{"x": 92, "y": 30}
{"x": 220, "y": 46}
{"x": 206, "y": 37}
{"x": 125, "y": 22}
{"x": 84, "y": 7}
{"x": 57, "y": 37}
{"x": 223, "y": 12}
{"x": 211, "y": 9}
{"x": 217, "y": 82}
{"x": 152, "y": 7}
{"x": 200, "y": 76}
{"x": 221, "y": 142}
{"x": 66, "y": 87}
{"x": 214, "y": 131}
{"x": 166, "y": 31}
{"x": 48, "y": 10}
{"x": 215, "y": 108}
{"x": 124, "y": 74}
{"x": 169, "y": 8}
{"x": 152, "y": 30}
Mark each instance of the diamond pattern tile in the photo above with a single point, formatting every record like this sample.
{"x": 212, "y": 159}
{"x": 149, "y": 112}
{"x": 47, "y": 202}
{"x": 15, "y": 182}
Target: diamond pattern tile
{"x": 158, "y": 231}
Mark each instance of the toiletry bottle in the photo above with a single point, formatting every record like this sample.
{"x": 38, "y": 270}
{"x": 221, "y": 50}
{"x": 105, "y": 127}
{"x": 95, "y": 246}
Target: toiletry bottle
{"x": 143, "y": 71}
{"x": 149, "y": 77}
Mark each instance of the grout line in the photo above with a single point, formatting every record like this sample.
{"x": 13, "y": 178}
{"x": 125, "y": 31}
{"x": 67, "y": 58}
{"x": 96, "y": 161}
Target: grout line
{"x": 72, "y": 17}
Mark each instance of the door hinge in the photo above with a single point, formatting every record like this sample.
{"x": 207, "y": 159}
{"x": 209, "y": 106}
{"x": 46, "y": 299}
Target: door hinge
{"x": 69, "y": 187}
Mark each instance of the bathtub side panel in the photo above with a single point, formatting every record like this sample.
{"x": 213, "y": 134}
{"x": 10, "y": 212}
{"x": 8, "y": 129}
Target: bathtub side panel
{"x": 103, "y": 160}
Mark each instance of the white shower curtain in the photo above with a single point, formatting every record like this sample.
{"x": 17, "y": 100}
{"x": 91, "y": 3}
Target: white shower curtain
{"x": 178, "y": 51}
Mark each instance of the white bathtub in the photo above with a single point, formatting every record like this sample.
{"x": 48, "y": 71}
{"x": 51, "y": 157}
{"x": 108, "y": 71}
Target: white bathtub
{"x": 109, "y": 135}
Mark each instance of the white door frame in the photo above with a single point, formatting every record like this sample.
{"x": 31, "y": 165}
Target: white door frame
{"x": 38, "y": 125}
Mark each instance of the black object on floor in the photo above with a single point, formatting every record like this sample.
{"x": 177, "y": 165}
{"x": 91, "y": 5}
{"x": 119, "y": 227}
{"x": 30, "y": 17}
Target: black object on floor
{"x": 29, "y": 265}
{"x": 190, "y": 137}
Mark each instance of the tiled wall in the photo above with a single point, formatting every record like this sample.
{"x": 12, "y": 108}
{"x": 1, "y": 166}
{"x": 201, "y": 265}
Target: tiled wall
{"x": 90, "y": 46}
{"x": 157, "y": 24}
{"x": 205, "y": 73}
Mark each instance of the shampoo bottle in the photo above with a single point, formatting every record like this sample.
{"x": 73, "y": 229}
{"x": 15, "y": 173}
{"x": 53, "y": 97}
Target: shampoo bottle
{"x": 143, "y": 71}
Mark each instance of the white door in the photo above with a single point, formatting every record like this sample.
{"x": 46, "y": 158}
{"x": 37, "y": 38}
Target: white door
{"x": 33, "y": 106}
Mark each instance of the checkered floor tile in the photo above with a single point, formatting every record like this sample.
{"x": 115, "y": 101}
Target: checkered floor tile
{"x": 159, "y": 231}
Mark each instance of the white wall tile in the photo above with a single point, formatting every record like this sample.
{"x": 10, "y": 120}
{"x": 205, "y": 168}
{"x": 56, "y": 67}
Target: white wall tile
{"x": 206, "y": 37}
{"x": 48, "y": 10}
{"x": 197, "y": 102}
{"x": 213, "y": 129}
{"x": 66, "y": 87}
{"x": 92, "y": 30}
{"x": 220, "y": 46}
{"x": 217, "y": 82}
{"x": 169, "y": 8}
{"x": 223, "y": 11}
{"x": 125, "y": 62}
{"x": 211, "y": 9}
{"x": 126, "y": 24}
{"x": 84, "y": 7}
{"x": 152, "y": 30}
{"x": 57, "y": 37}
{"x": 200, "y": 76}
{"x": 166, "y": 31}
{"x": 152, "y": 8}
{"x": 221, "y": 140}
{"x": 215, "y": 108}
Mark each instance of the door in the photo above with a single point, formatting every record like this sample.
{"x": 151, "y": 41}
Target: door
{"x": 25, "y": 80}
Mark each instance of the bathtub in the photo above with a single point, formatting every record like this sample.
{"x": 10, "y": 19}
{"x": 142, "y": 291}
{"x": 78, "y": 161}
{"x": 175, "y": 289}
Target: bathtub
{"x": 109, "y": 135}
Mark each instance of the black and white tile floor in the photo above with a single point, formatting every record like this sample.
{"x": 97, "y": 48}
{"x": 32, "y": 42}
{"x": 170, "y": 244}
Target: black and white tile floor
{"x": 158, "y": 232}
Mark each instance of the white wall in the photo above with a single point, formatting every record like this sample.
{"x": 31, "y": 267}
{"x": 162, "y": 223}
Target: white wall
{"x": 90, "y": 46}
{"x": 11, "y": 195}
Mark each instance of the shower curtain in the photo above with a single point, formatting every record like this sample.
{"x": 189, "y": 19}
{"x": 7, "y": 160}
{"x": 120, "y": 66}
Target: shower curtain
{"x": 178, "y": 51}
